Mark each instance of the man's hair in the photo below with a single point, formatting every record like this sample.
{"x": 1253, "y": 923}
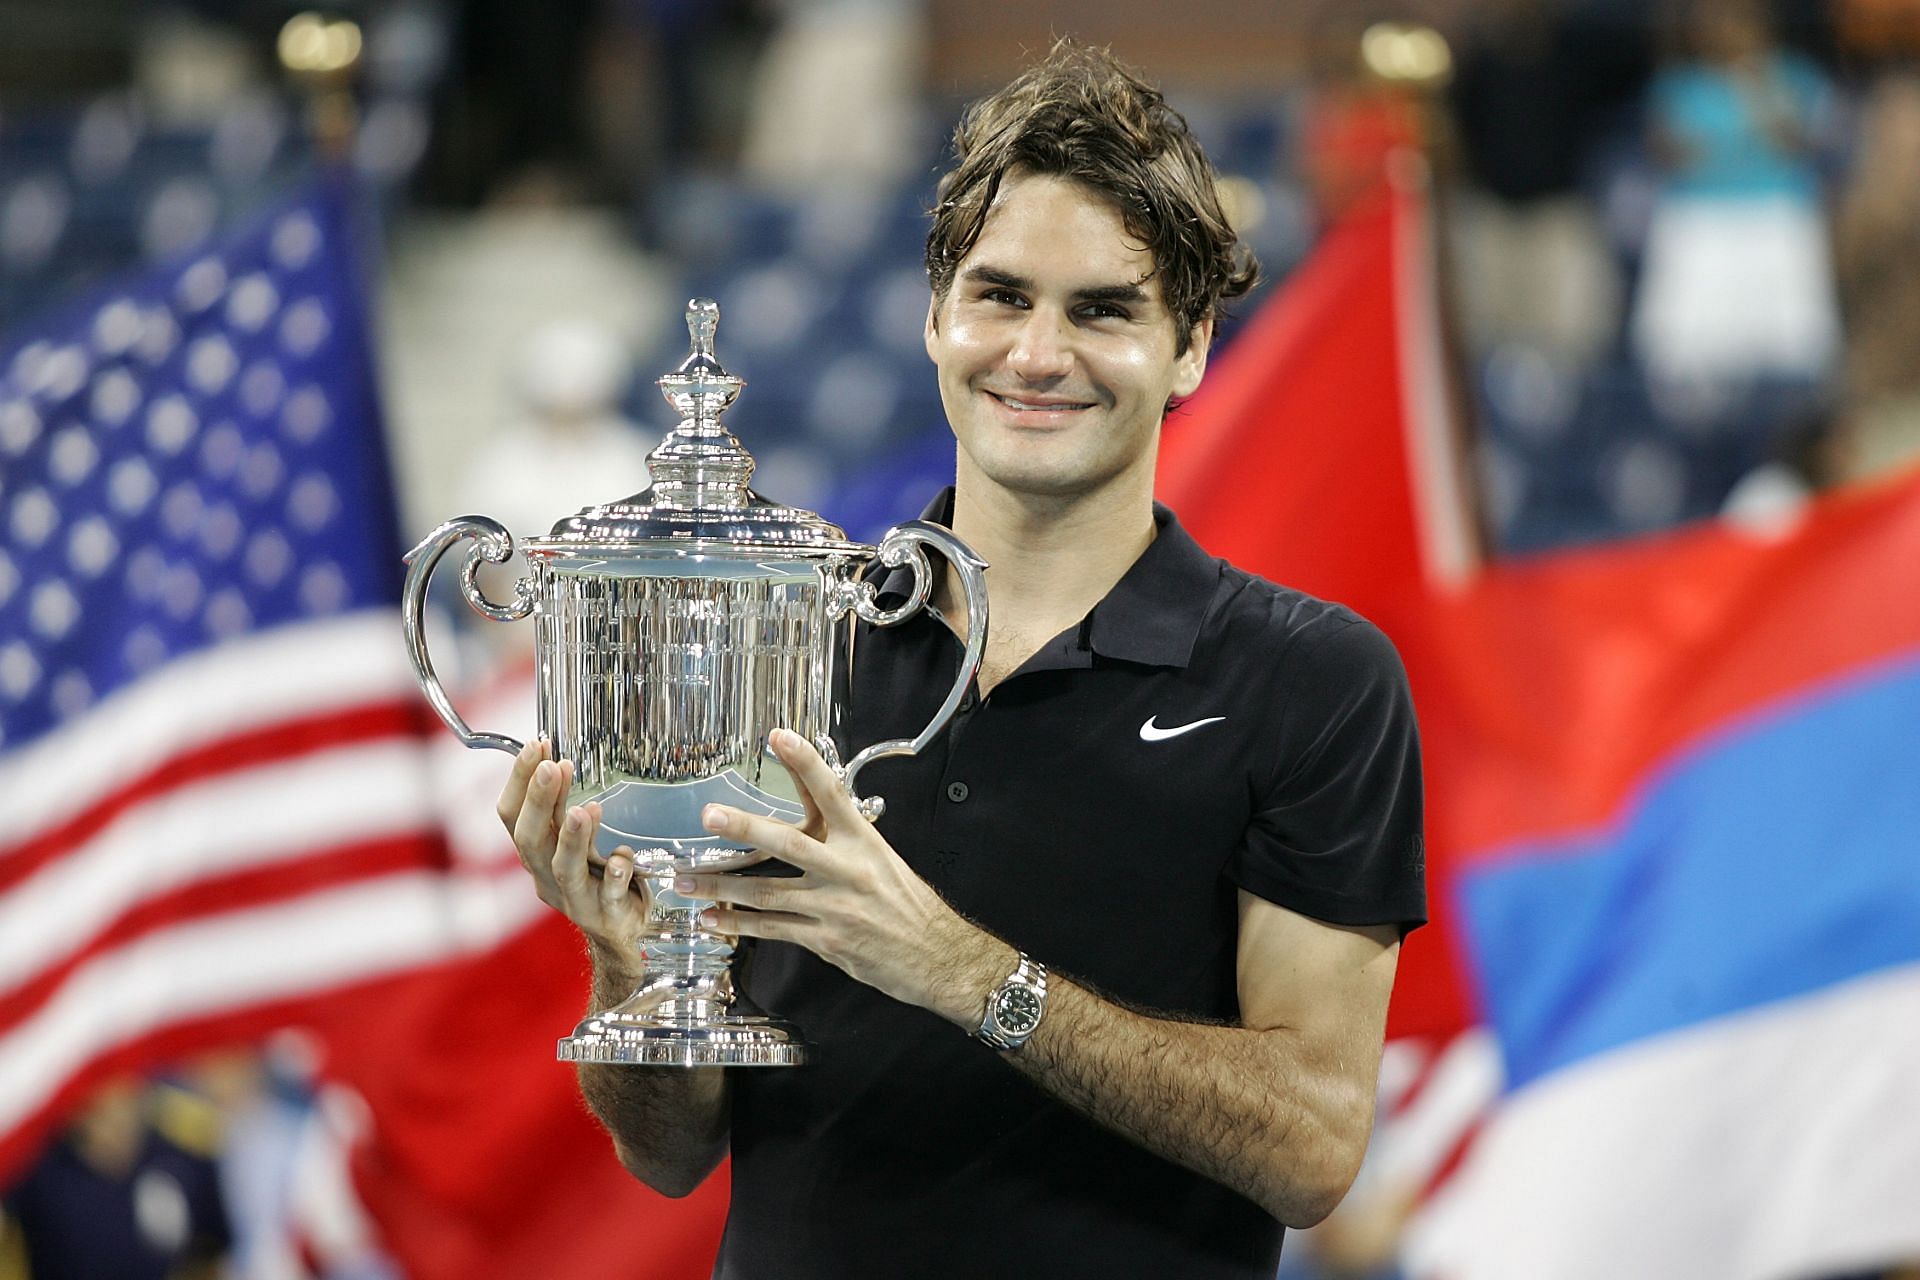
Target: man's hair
{"x": 1081, "y": 114}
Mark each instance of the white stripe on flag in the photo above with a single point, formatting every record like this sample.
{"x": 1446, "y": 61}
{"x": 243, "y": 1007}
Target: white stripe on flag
{"x": 317, "y": 941}
{"x": 1768, "y": 1145}
{"x": 231, "y": 822}
{"x": 251, "y": 682}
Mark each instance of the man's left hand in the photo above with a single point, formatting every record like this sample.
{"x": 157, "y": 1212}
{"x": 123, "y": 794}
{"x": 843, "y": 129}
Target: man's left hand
{"x": 856, "y": 903}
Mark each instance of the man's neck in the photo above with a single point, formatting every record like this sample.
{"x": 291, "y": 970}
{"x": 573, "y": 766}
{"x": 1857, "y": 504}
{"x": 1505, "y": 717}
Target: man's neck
{"x": 1051, "y": 559}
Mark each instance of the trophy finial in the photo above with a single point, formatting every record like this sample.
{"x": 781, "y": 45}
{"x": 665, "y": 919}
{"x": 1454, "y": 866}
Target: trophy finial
{"x": 703, "y": 319}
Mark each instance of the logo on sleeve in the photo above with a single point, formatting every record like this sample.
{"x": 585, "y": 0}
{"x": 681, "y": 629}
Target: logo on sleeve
{"x": 1152, "y": 732}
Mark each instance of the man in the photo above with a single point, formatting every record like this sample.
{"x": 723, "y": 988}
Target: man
{"x": 1104, "y": 991}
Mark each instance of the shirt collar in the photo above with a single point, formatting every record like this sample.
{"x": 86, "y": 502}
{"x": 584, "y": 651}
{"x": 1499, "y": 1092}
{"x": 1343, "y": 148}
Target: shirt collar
{"x": 1152, "y": 616}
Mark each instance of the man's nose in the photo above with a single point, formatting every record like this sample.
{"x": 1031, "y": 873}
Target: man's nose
{"x": 1043, "y": 348}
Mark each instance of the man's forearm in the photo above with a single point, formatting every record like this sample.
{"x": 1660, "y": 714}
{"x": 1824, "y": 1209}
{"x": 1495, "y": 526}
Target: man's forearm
{"x": 1244, "y": 1107}
{"x": 668, "y": 1124}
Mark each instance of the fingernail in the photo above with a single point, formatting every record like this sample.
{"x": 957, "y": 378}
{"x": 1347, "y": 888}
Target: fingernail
{"x": 712, "y": 819}
{"x": 574, "y": 819}
{"x": 711, "y": 919}
{"x": 545, "y": 773}
{"x": 618, "y": 868}
{"x": 683, "y": 884}
{"x": 782, "y": 738}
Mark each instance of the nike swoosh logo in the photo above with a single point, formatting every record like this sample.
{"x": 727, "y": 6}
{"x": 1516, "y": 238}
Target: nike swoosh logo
{"x": 1151, "y": 732}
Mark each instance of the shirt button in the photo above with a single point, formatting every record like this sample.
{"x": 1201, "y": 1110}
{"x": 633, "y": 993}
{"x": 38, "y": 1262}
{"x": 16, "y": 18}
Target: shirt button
{"x": 956, "y": 791}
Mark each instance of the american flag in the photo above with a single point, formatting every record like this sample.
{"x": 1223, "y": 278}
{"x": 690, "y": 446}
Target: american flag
{"x": 213, "y": 792}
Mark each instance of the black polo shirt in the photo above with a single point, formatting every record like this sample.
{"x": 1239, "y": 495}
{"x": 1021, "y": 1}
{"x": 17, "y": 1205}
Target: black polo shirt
{"x": 1201, "y": 731}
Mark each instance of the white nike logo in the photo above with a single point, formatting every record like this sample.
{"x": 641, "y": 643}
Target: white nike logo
{"x": 1151, "y": 732}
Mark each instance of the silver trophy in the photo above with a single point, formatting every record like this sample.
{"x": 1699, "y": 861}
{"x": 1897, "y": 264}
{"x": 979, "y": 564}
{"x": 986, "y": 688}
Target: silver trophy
{"x": 674, "y": 630}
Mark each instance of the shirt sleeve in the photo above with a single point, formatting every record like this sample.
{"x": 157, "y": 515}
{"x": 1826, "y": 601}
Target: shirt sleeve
{"x": 1337, "y": 834}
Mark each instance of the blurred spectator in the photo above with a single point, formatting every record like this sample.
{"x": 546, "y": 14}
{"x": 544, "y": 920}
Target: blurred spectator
{"x": 838, "y": 95}
{"x": 130, "y": 1190}
{"x": 1527, "y": 97}
{"x": 1878, "y": 249}
{"x": 1738, "y": 279}
{"x": 571, "y": 448}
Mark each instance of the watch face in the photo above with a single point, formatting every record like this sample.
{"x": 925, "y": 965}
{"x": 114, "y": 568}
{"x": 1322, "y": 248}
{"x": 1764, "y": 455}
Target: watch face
{"x": 1017, "y": 1010}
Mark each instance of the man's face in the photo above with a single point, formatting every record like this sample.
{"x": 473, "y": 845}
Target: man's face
{"x": 1055, "y": 349}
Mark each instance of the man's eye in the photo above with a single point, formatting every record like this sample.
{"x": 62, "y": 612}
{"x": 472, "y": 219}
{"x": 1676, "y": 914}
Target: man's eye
{"x": 1105, "y": 311}
{"x": 1008, "y": 296}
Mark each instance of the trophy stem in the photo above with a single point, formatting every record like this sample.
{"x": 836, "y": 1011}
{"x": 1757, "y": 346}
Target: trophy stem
{"x": 682, "y": 1014}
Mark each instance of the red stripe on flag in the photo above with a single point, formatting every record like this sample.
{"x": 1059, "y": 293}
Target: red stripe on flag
{"x": 283, "y": 740}
{"x": 219, "y": 895}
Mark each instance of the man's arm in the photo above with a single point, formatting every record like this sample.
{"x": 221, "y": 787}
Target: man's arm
{"x": 668, "y": 1124}
{"x": 1278, "y": 1108}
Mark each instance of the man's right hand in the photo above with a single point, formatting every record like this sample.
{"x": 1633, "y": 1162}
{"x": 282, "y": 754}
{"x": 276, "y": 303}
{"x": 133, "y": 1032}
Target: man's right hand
{"x": 555, "y": 844}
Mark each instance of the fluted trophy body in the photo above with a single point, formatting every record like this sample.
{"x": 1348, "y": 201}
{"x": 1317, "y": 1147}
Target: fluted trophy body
{"x": 674, "y": 631}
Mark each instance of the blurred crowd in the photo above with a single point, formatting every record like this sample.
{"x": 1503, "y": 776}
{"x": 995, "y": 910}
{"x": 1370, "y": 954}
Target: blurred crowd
{"x": 1683, "y": 275}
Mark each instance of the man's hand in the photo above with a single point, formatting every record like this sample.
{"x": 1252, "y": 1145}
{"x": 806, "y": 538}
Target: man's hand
{"x": 554, "y": 844}
{"x": 856, "y": 903}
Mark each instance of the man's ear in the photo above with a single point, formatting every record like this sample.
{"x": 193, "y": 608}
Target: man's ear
{"x": 1191, "y": 365}
{"x": 931, "y": 331}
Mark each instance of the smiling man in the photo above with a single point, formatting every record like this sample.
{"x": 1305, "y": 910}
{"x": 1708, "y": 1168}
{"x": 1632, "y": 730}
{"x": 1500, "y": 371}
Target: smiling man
{"x": 1103, "y": 993}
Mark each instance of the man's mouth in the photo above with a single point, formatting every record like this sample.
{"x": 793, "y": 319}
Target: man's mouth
{"x": 1020, "y": 405}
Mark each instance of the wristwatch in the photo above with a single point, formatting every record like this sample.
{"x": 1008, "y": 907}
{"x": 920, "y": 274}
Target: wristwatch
{"x": 1015, "y": 1007}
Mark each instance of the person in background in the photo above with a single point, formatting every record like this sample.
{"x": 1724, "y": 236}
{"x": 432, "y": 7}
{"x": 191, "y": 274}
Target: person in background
{"x": 131, "y": 1190}
{"x": 1737, "y": 280}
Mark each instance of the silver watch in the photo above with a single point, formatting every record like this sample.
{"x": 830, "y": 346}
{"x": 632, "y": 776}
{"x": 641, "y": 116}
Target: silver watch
{"x": 1015, "y": 1007}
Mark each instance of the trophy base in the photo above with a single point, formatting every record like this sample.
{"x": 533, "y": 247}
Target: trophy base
{"x": 736, "y": 1041}
{"x": 684, "y": 1019}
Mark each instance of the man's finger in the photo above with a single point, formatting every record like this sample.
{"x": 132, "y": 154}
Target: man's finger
{"x": 538, "y": 824}
{"x": 776, "y": 925}
{"x": 514, "y": 793}
{"x": 762, "y": 893}
{"x": 571, "y": 854}
{"x": 815, "y": 778}
{"x": 782, "y": 840}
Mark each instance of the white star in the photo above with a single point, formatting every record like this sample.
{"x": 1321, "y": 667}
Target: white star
{"x": 304, "y": 327}
{"x": 227, "y": 614}
{"x": 19, "y": 426}
{"x": 260, "y": 473}
{"x": 323, "y": 588}
{"x": 116, "y": 394}
{"x": 312, "y": 502}
{"x": 180, "y": 509}
{"x": 54, "y": 609}
{"x": 158, "y": 335}
{"x": 201, "y": 284}
{"x": 296, "y": 238}
{"x": 171, "y": 422}
{"x": 63, "y": 372}
{"x": 252, "y": 302}
{"x": 146, "y": 571}
{"x": 70, "y": 694}
{"x": 116, "y": 327}
{"x": 180, "y": 591}
{"x": 261, "y": 387}
{"x": 91, "y": 547}
{"x": 34, "y": 517}
{"x": 211, "y": 364}
{"x": 131, "y": 486}
{"x": 19, "y": 671}
{"x": 306, "y": 415}
{"x": 73, "y": 456}
{"x": 144, "y": 649}
{"x": 220, "y": 531}
{"x": 221, "y": 450}
{"x": 268, "y": 557}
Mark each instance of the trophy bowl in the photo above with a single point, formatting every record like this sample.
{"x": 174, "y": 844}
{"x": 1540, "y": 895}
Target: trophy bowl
{"x": 673, "y": 632}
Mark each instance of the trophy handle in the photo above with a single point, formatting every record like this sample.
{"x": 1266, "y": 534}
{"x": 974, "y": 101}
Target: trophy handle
{"x": 904, "y": 544}
{"x": 492, "y": 541}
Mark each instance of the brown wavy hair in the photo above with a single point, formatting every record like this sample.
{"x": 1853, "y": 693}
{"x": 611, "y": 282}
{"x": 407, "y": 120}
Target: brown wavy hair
{"x": 1082, "y": 114}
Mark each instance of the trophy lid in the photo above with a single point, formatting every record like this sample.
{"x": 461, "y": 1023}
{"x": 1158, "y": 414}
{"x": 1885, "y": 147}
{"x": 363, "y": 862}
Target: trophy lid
{"x": 699, "y": 498}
